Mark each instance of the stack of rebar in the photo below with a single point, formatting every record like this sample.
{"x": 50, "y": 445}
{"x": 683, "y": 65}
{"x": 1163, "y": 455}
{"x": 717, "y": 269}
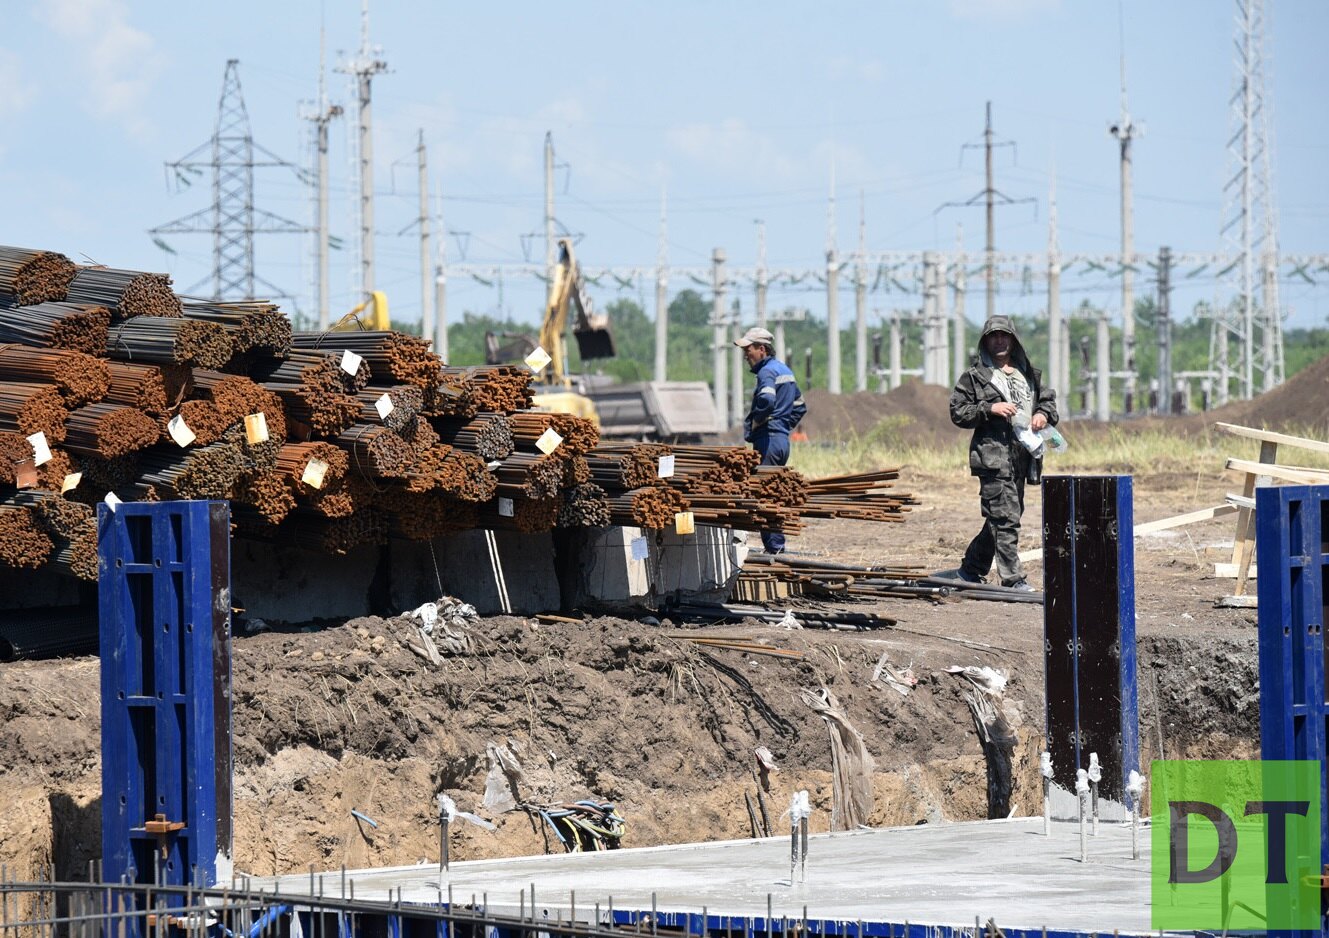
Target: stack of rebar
{"x": 626, "y": 465}
{"x": 170, "y": 342}
{"x": 392, "y": 357}
{"x": 24, "y": 542}
{"x": 575, "y": 436}
{"x": 71, "y": 326}
{"x": 523, "y": 475}
{"x": 404, "y": 403}
{"x": 867, "y": 496}
{"x": 29, "y": 276}
{"x": 653, "y": 507}
{"x": 377, "y": 452}
{"x": 81, "y": 379}
{"x": 126, "y": 293}
{"x": 253, "y": 325}
{"x": 583, "y": 506}
{"x": 108, "y": 430}
{"x": 33, "y": 408}
{"x": 488, "y": 436}
{"x": 154, "y": 389}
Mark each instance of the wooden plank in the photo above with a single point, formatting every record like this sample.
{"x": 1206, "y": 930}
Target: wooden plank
{"x": 1275, "y": 471}
{"x": 1269, "y": 436}
{"x": 1162, "y": 524}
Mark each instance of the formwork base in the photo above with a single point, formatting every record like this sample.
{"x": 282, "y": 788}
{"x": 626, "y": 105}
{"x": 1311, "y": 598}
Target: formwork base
{"x": 857, "y": 883}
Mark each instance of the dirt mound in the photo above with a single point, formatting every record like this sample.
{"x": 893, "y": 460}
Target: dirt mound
{"x": 914, "y": 414}
{"x": 1300, "y": 404}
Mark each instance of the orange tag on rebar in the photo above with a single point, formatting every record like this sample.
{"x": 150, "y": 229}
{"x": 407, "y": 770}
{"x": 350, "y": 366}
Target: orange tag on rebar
{"x": 41, "y": 451}
{"x": 548, "y": 441}
{"x": 180, "y": 432}
{"x": 256, "y": 428}
{"x": 538, "y": 359}
{"x": 25, "y": 474}
{"x": 71, "y": 481}
{"x": 684, "y": 523}
{"x": 315, "y": 470}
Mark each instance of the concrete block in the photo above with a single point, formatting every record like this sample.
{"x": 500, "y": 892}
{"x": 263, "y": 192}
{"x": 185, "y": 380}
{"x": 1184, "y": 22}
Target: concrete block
{"x": 702, "y": 565}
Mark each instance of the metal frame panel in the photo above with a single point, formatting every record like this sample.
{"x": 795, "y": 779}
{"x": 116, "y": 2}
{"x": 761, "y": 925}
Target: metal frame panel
{"x": 164, "y": 598}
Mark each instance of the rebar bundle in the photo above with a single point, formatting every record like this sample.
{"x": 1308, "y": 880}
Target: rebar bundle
{"x": 488, "y": 436}
{"x": 312, "y": 531}
{"x": 430, "y": 471}
{"x": 377, "y": 452}
{"x": 318, "y": 370}
{"x": 24, "y": 542}
{"x": 269, "y": 493}
{"x": 529, "y": 516}
{"x": 576, "y": 471}
{"x": 109, "y": 431}
{"x": 626, "y": 465}
{"x": 325, "y": 414}
{"x": 203, "y": 472}
{"x": 391, "y": 356}
{"x": 523, "y": 475}
{"x": 778, "y": 484}
{"x": 82, "y": 379}
{"x": 34, "y": 276}
{"x": 14, "y": 449}
{"x": 253, "y": 325}
{"x": 421, "y": 435}
{"x": 169, "y": 342}
{"x": 579, "y": 436}
{"x": 294, "y": 459}
{"x": 69, "y": 326}
{"x": 867, "y": 496}
{"x": 652, "y": 507}
{"x": 102, "y": 475}
{"x": 405, "y": 401}
{"x": 500, "y": 389}
{"x": 204, "y": 419}
{"x": 466, "y": 478}
{"x": 32, "y": 408}
{"x": 154, "y": 389}
{"x": 584, "y": 506}
{"x": 126, "y": 293}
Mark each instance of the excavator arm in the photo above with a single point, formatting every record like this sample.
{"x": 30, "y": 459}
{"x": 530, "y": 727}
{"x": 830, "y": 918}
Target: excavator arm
{"x": 567, "y": 293}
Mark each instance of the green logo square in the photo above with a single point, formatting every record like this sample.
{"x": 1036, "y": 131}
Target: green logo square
{"x": 1235, "y": 845}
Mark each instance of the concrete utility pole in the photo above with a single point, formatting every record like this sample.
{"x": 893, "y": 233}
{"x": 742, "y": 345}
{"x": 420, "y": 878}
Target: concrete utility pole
{"x": 832, "y": 299}
{"x": 1103, "y": 389}
{"x": 961, "y": 348}
{"x": 941, "y": 326}
{"x": 321, "y": 115}
{"x": 426, "y": 274}
{"x": 894, "y": 353}
{"x": 441, "y": 290}
{"x": 364, "y": 66}
{"x": 551, "y": 246}
{"x": 929, "y": 318}
{"x": 990, "y": 264}
{"x": 1125, "y": 131}
{"x": 1164, "y": 321}
{"x": 736, "y": 364}
{"x": 861, "y": 300}
{"x": 762, "y": 281}
{"x": 662, "y": 296}
{"x": 1055, "y": 323}
{"x": 718, "y": 326}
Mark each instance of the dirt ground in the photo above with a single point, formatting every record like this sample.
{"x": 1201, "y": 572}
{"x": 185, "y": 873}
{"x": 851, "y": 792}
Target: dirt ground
{"x": 345, "y": 717}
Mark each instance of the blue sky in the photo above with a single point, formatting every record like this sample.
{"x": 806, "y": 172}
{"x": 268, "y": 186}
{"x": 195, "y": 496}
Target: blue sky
{"x": 738, "y": 109}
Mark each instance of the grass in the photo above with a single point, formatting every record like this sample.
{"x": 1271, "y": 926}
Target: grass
{"x": 1115, "y": 448}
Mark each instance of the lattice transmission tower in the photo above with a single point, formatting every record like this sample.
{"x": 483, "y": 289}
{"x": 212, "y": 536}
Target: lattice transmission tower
{"x": 1247, "y": 344}
{"x": 232, "y": 156}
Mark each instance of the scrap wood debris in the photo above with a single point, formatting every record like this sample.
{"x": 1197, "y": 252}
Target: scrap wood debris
{"x": 808, "y": 618}
{"x": 764, "y": 578}
{"x": 738, "y": 643}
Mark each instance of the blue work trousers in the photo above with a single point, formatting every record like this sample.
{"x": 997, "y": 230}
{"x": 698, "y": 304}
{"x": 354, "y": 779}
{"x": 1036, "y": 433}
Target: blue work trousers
{"x": 774, "y": 449}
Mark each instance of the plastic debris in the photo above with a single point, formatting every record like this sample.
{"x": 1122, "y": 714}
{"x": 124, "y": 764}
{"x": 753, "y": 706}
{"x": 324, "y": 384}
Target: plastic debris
{"x": 988, "y": 680}
{"x": 900, "y": 680}
{"x": 790, "y": 621}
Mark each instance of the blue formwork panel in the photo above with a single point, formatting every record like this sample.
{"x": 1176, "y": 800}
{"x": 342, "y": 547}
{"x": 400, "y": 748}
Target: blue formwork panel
{"x": 164, "y": 593}
{"x": 1292, "y": 544}
{"x": 1091, "y": 694}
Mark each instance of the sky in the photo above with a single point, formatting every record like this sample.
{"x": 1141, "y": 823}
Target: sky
{"x": 734, "y": 112}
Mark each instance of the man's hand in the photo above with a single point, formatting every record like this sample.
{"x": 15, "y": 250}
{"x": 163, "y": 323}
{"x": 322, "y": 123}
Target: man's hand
{"x": 1003, "y": 409}
{"x": 1038, "y": 422}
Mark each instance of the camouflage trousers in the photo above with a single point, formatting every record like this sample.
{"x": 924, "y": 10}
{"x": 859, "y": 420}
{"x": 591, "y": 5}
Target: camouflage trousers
{"x": 1002, "y": 500}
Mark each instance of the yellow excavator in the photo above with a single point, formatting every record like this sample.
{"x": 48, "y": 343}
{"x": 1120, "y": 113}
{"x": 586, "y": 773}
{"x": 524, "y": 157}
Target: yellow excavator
{"x": 372, "y": 314}
{"x": 556, "y": 389}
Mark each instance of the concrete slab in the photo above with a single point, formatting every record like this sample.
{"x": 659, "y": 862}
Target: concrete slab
{"x": 940, "y": 875}
{"x": 701, "y": 566}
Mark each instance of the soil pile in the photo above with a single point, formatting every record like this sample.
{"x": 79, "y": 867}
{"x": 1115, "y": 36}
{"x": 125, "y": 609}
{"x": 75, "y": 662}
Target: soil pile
{"x": 1299, "y": 405}
{"x": 914, "y": 414}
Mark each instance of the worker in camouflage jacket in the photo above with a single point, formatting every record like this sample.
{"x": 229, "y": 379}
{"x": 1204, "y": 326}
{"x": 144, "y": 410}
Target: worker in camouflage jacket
{"x": 1000, "y": 395}
{"x": 777, "y": 408}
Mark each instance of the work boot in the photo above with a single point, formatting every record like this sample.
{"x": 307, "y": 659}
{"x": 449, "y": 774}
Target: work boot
{"x": 959, "y": 573}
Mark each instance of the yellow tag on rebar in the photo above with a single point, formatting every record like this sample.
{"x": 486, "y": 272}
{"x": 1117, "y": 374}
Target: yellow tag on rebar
{"x": 314, "y": 472}
{"x": 548, "y": 441}
{"x": 256, "y": 428}
{"x": 537, "y": 360}
{"x": 41, "y": 451}
{"x": 180, "y": 432}
{"x": 71, "y": 481}
{"x": 684, "y": 523}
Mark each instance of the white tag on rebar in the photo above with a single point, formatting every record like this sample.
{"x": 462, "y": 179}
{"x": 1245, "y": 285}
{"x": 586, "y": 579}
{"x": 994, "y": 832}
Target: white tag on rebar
{"x": 256, "y": 428}
{"x": 384, "y": 406}
{"x": 70, "y": 482}
{"x": 350, "y": 362}
{"x": 111, "y": 501}
{"x": 684, "y": 523}
{"x": 180, "y": 432}
{"x": 314, "y": 472}
{"x": 666, "y": 467}
{"x": 641, "y": 548}
{"x": 491, "y": 466}
{"x": 506, "y": 509}
{"x": 548, "y": 441}
{"x": 41, "y": 451}
{"x": 538, "y": 359}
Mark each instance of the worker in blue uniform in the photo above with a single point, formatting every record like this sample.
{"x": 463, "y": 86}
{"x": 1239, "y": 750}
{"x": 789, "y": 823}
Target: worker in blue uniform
{"x": 777, "y": 407}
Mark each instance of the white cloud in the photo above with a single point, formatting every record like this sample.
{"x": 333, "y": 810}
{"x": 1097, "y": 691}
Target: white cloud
{"x": 121, "y": 62}
{"x": 732, "y": 146}
{"x": 1000, "y": 9}
{"x": 16, "y": 92}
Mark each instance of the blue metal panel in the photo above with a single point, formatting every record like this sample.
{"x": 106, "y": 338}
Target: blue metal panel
{"x": 164, "y": 595}
{"x": 1291, "y": 526}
